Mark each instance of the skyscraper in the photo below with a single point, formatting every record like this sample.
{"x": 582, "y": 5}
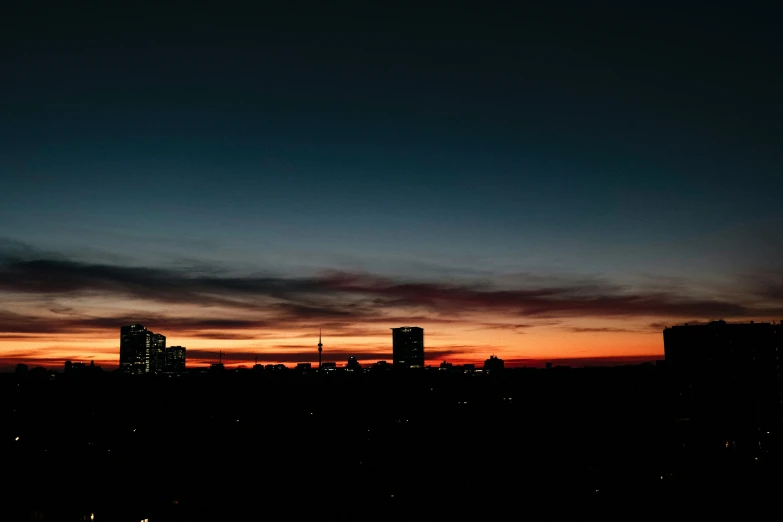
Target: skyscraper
{"x": 135, "y": 346}
{"x": 175, "y": 359}
{"x": 408, "y": 347}
{"x": 157, "y": 353}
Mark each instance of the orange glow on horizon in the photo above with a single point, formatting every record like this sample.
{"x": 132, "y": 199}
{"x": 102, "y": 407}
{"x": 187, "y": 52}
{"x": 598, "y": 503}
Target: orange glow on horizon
{"x": 454, "y": 345}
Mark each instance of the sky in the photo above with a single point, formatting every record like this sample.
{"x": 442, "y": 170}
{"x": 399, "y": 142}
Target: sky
{"x": 544, "y": 181}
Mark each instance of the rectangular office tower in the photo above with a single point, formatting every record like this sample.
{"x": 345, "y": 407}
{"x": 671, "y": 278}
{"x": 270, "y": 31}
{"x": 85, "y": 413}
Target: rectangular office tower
{"x": 136, "y": 349}
{"x": 408, "y": 347}
{"x": 726, "y": 376}
{"x": 158, "y": 353}
{"x": 175, "y": 359}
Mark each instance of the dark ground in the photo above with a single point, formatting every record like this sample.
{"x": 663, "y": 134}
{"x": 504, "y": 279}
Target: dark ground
{"x": 248, "y": 446}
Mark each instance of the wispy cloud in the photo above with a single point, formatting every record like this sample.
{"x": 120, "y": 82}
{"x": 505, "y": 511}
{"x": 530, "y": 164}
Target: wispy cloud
{"x": 341, "y": 300}
{"x": 605, "y": 329}
{"x": 46, "y": 297}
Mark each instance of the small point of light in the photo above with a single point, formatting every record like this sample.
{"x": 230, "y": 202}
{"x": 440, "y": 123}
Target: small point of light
{"x": 17, "y": 438}
{"x": 92, "y": 516}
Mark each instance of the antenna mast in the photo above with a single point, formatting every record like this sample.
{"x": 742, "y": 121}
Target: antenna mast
{"x": 320, "y": 348}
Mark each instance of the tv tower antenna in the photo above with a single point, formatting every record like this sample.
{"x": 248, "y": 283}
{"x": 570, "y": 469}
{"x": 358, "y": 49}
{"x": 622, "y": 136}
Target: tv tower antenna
{"x": 320, "y": 348}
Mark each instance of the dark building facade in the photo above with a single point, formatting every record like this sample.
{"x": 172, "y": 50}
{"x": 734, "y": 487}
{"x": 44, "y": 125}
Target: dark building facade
{"x": 725, "y": 375}
{"x": 142, "y": 351}
{"x": 158, "y": 353}
{"x": 175, "y": 359}
{"x": 493, "y": 364}
{"x": 408, "y": 347}
{"x": 135, "y": 349}
{"x": 353, "y": 365}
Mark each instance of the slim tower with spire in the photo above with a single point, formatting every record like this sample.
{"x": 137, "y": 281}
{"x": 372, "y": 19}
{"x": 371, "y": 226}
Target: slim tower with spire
{"x": 320, "y": 348}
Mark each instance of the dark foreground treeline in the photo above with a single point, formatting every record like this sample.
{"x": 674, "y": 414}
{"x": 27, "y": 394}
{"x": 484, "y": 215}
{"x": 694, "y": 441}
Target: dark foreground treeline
{"x": 249, "y": 446}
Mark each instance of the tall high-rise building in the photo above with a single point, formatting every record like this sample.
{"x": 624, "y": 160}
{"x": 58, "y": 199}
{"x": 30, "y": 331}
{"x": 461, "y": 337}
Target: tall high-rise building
{"x": 727, "y": 375}
{"x": 135, "y": 348}
{"x": 157, "y": 353}
{"x": 408, "y": 347}
{"x": 175, "y": 359}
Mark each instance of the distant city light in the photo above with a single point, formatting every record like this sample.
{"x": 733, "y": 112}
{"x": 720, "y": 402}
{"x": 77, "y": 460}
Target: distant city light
{"x": 17, "y": 438}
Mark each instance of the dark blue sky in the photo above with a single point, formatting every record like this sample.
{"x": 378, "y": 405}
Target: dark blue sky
{"x": 634, "y": 142}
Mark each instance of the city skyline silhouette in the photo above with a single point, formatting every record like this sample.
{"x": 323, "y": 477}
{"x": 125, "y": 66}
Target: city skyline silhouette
{"x": 536, "y": 181}
{"x": 386, "y": 260}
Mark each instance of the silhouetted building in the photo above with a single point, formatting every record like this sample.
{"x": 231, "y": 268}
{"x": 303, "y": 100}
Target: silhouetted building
{"x": 142, "y": 351}
{"x": 71, "y": 368}
{"x": 381, "y": 365}
{"x": 408, "y": 347}
{"x": 329, "y": 366}
{"x": 79, "y": 369}
{"x": 445, "y": 366}
{"x": 21, "y": 369}
{"x": 493, "y": 364}
{"x": 135, "y": 349}
{"x": 157, "y": 353}
{"x": 353, "y": 365}
{"x": 175, "y": 359}
{"x": 304, "y": 367}
{"x": 727, "y": 375}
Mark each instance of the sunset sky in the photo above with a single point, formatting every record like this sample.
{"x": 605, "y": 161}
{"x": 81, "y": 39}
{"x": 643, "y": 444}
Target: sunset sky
{"x": 538, "y": 183}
